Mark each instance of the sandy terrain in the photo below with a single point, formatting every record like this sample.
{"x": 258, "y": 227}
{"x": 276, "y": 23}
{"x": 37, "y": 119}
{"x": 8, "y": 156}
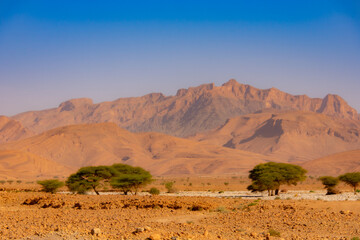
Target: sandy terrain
{"x": 61, "y": 216}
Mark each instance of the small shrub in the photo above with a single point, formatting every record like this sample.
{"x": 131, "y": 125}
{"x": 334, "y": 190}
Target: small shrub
{"x": 50, "y": 185}
{"x": 355, "y": 238}
{"x": 252, "y": 204}
{"x": 154, "y": 191}
{"x": 2, "y": 181}
{"x": 274, "y": 233}
{"x": 330, "y": 183}
{"x": 19, "y": 181}
{"x": 221, "y": 192}
{"x": 170, "y": 187}
{"x": 226, "y": 183}
{"x": 10, "y": 181}
{"x": 190, "y": 184}
{"x": 277, "y": 198}
{"x": 311, "y": 191}
{"x": 221, "y": 209}
{"x": 195, "y": 208}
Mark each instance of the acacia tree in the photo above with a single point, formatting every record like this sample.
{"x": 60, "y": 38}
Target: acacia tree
{"x": 270, "y": 176}
{"x": 330, "y": 183}
{"x": 352, "y": 179}
{"x": 87, "y": 178}
{"x": 130, "y": 179}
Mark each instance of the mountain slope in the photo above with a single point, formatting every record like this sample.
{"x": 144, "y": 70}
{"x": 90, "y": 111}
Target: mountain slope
{"x": 11, "y": 130}
{"x": 105, "y": 143}
{"x": 190, "y": 111}
{"x": 25, "y": 165}
{"x": 288, "y": 136}
{"x": 334, "y": 164}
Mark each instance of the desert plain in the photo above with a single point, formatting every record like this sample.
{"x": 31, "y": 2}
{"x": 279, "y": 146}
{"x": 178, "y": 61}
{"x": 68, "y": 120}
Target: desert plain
{"x": 27, "y": 213}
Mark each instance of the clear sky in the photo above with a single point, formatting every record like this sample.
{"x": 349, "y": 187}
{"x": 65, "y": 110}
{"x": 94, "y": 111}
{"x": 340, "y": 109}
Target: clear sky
{"x": 52, "y": 51}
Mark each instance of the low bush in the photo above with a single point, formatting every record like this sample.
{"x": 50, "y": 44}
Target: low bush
{"x": 154, "y": 191}
{"x": 51, "y": 185}
{"x": 274, "y": 233}
{"x": 221, "y": 209}
{"x": 170, "y": 187}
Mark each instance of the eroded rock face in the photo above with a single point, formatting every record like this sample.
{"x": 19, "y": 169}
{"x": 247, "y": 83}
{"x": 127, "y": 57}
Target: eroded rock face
{"x": 290, "y": 135}
{"x": 190, "y": 111}
{"x": 12, "y": 130}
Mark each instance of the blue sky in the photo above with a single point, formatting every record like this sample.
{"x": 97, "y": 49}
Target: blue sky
{"x": 51, "y": 51}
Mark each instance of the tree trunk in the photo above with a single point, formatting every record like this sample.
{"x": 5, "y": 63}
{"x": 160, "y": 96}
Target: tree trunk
{"x": 276, "y": 192}
{"x": 97, "y": 193}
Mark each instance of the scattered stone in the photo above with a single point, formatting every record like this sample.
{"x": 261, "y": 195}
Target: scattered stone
{"x": 95, "y": 231}
{"x": 147, "y": 228}
{"x": 155, "y": 236}
{"x": 253, "y": 234}
{"x": 138, "y": 230}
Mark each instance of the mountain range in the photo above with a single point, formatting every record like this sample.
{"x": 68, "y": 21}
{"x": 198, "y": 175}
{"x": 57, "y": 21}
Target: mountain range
{"x": 190, "y": 111}
{"x": 201, "y": 130}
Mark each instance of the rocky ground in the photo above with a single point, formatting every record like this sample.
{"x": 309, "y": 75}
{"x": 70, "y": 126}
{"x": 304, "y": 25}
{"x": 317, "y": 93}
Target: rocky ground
{"x": 34, "y": 215}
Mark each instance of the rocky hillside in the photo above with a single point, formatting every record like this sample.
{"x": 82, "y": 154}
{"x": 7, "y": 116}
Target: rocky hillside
{"x": 72, "y": 147}
{"x": 190, "y": 111}
{"x": 11, "y": 130}
{"x": 334, "y": 164}
{"x": 288, "y": 136}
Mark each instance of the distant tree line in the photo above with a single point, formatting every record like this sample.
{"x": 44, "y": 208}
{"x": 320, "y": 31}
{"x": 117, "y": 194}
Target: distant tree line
{"x": 119, "y": 176}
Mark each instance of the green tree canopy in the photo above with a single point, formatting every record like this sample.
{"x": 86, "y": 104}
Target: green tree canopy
{"x": 352, "y": 179}
{"x": 130, "y": 179}
{"x": 270, "y": 176}
{"x": 87, "y": 178}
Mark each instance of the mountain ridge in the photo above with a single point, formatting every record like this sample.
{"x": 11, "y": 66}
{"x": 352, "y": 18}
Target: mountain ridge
{"x": 190, "y": 111}
{"x": 293, "y": 136}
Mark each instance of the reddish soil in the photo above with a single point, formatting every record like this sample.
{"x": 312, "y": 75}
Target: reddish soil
{"x": 33, "y": 215}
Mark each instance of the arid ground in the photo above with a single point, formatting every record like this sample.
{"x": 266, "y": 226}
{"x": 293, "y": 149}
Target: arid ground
{"x": 37, "y": 215}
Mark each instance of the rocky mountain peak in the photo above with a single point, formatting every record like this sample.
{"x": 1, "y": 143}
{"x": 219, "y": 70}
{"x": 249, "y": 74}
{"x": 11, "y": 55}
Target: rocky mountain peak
{"x": 74, "y": 103}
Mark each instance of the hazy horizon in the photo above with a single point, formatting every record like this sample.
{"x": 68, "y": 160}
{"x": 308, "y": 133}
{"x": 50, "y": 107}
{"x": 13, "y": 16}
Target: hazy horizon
{"x": 54, "y": 51}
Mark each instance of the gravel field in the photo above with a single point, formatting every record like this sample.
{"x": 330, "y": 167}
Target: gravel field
{"x": 295, "y": 195}
{"x": 40, "y": 216}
